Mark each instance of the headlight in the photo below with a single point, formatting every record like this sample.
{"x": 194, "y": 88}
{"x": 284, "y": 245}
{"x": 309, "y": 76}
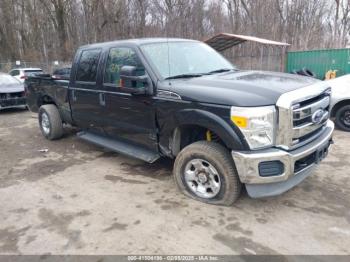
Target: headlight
{"x": 257, "y": 124}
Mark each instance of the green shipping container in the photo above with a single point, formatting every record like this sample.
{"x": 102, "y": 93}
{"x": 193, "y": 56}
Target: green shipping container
{"x": 320, "y": 61}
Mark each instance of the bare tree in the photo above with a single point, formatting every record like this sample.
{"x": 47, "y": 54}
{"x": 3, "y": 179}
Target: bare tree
{"x": 43, "y": 30}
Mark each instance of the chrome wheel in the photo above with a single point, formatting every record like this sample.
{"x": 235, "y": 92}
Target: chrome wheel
{"x": 202, "y": 178}
{"x": 45, "y": 123}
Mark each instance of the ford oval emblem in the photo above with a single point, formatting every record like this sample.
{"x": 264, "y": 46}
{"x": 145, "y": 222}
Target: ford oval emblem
{"x": 318, "y": 116}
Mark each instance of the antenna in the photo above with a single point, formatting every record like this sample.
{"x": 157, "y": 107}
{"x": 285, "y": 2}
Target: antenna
{"x": 168, "y": 55}
{"x": 167, "y": 41}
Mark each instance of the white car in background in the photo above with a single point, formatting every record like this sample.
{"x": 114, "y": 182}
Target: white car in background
{"x": 22, "y": 73}
{"x": 11, "y": 92}
{"x": 340, "y": 101}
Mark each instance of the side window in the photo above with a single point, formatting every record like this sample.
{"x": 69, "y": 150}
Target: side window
{"x": 14, "y": 73}
{"x": 117, "y": 58}
{"x": 87, "y": 68}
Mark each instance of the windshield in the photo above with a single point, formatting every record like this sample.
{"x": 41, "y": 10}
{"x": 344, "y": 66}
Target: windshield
{"x": 185, "y": 58}
{"x": 8, "y": 80}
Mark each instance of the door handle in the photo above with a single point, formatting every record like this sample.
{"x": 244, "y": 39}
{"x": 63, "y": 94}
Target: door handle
{"x": 74, "y": 97}
{"x": 102, "y": 99}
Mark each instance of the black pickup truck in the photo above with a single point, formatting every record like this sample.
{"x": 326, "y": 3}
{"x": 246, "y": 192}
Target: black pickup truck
{"x": 152, "y": 98}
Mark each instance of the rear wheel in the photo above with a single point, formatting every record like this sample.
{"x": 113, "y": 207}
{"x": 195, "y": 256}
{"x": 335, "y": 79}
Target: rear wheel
{"x": 342, "y": 118}
{"x": 206, "y": 172}
{"x": 50, "y": 122}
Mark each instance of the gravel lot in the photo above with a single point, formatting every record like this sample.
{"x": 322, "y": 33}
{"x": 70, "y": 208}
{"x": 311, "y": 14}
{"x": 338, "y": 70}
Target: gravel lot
{"x": 79, "y": 199}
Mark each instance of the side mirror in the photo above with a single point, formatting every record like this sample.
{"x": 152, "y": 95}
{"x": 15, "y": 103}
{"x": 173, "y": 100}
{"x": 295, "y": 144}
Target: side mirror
{"x": 133, "y": 83}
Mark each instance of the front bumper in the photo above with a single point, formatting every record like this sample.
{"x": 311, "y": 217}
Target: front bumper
{"x": 247, "y": 164}
{"x": 12, "y": 102}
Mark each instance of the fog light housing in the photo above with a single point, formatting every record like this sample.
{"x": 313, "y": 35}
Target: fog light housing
{"x": 271, "y": 168}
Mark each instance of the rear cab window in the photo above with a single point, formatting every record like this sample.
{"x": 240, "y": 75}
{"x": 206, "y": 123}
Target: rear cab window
{"x": 87, "y": 66}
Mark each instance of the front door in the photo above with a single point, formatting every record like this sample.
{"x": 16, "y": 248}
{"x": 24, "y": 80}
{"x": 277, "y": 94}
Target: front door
{"x": 83, "y": 92}
{"x": 131, "y": 117}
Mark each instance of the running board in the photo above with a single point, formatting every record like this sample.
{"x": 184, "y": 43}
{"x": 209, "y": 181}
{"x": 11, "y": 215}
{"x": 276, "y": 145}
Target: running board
{"x": 120, "y": 146}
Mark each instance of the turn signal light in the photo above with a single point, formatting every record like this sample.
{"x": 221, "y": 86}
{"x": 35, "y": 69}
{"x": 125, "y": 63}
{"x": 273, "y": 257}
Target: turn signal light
{"x": 240, "y": 121}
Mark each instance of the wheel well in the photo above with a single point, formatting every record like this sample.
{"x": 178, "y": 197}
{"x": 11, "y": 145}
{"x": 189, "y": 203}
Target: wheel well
{"x": 188, "y": 134}
{"x": 337, "y": 106}
{"x": 44, "y": 100}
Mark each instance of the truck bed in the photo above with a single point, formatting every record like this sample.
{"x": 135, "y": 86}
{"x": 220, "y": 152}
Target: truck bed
{"x": 43, "y": 89}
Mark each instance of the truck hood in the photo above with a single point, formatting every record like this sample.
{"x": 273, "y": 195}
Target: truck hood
{"x": 241, "y": 88}
{"x": 12, "y": 88}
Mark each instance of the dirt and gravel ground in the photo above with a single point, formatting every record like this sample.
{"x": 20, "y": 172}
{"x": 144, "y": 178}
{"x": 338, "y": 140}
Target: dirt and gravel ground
{"x": 79, "y": 199}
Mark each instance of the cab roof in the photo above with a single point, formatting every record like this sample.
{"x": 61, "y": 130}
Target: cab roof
{"x": 137, "y": 42}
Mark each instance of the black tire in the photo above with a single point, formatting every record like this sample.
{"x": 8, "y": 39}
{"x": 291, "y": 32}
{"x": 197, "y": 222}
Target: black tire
{"x": 220, "y": 158}
{"x": 342, "y": 118}
{"x": 55, "y": 124}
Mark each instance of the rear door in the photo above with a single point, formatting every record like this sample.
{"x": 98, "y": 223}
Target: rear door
{"x": 83, "y": 90}
{"x": 128, "y": 116}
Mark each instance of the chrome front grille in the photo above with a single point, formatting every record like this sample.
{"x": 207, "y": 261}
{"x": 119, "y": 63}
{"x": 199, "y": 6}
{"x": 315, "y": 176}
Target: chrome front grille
{"x": 303, "y": 114}
{"x": 305, "y": 125}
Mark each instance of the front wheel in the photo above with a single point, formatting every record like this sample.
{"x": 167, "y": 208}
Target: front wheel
{"x": 206, "y": 172}
{"x": 50, "y": 122}
{"x": 342, "y": 118}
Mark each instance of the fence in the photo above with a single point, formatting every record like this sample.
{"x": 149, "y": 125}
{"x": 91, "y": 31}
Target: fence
{"x": 47, "y": 67}
{"x": 245, "y": 56}
{"x": 251, "y": 56}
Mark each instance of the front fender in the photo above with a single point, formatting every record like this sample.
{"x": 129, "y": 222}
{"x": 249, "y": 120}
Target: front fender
{"x": 228, "y": 132}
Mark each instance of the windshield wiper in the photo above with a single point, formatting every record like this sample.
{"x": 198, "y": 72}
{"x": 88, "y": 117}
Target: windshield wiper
{"x": 184, "y": 76}
{"x": 222, "y": 70}
{"x": 199, "y": 75}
